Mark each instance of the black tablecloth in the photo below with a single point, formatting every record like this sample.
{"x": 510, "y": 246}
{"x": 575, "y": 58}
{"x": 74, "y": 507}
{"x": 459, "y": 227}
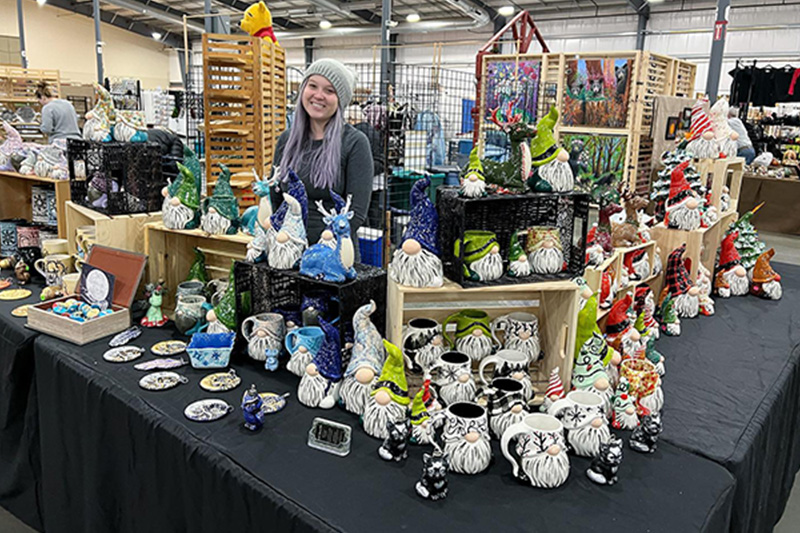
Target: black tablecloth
{"x": 732, "y": 394}
{"x": 119, "y": 458}
{"x": 19, "y": 428}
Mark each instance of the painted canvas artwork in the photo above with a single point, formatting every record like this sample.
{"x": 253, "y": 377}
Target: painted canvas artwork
{"x": 510, "y": 80}
{"x": 598, "y": 161}
{"x": 597, "y": 92}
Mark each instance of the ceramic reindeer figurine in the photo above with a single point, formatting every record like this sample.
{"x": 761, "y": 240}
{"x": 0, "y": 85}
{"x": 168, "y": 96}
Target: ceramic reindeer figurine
{"x": 332, "y": 263}
{"x": 259, "y": 214}
{"x": 513, "y": 173}
{"x": 603, "y": 235}
{"x": 627, "y": 234}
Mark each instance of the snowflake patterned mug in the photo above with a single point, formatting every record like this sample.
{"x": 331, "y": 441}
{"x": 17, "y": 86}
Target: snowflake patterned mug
{"x": 526, "y": 446}
{"x": 520, "y": 332}
{"x": 466, "y": 436}
{"x": 578, "y": 409}
{"x": 262, "y": 331}
{"x": 450, "y": 367}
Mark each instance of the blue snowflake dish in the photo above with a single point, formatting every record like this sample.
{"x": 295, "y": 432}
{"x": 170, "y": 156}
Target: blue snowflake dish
{"x": 211, "y": 350}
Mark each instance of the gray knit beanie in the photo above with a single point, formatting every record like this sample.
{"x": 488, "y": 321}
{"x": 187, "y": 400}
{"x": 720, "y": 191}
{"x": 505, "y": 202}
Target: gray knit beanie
{"x": 342, "y": 78}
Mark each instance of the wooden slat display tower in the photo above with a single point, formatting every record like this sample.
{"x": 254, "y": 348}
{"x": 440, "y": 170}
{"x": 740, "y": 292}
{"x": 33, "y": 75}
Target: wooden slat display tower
{"x": 18, "y": 88}
{"x": 244, "y": 97}
{"x": 652, "y": 74}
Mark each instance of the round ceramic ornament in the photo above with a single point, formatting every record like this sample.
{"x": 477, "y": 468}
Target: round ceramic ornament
{"x": 167, "y": 348}
{"x": 220, "y": 381}
{"x": 21, "y": 311}
{"x": 273, "y": 402}
{"x": 14, "y": 294}
{"x": 158, "y": 381}
{"x": 123, "y": 354}
{"x": 207, "y": 410}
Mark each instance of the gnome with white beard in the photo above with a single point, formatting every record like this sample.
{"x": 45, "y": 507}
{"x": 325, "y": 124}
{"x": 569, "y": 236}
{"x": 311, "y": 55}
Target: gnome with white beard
{"x": 473, "y": 182}
{"x": 702, "y": 144}
{"x": 181, "y": 201}
{"x": 544, "y": 250}
{"x": 623, "y": 415}
{"x": 724, "y": 134}
{"x": 221, "y": 210}
{"x": 644, "y": 305}
{"x": 620, "y": 331}
{"x": 416, "y": 262}
{"x": 589, "y": 373}
{"x": 482, "y": 260}
{"x": 286, "y": 234}
{"x": 589, "y": 335}
{"x": 366, "y": 361}
{"x": 505, "y": 407}
{"x": 703, "y": 284}
{"x": 423, "y": 404}
{"x": 683, "y": 205}
{"x": 766, "y": 283}
{"x": 389, "y": 399}
{"x": 670, "y": 323}
{"x": 555, "y": 391}
{"x": 518, "y": 264}
{"x": 319, "y": 385}
{"x": 731, "y": 278}
{"x": 550, "y": 163}
{"x": 685, "y": 296}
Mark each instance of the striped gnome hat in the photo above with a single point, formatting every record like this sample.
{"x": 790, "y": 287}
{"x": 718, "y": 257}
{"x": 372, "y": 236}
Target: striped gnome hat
{"x": 701, "y": 122}
{"x": 555, "y": 387}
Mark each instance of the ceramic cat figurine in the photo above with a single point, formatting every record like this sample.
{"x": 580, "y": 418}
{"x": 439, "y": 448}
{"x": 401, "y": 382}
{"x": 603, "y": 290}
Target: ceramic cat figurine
{"x": 395, "y": 445}
{"x": 644, "y": 438}
{"x": 433, "y": 484}
{"x": 603, "y": 470}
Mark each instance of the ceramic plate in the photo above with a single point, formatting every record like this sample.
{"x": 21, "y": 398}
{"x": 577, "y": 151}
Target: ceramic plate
{"x": 123, "y": 354}
{"x": 207, "y": 410}
{"x": 168, "y": 348}
{"x": 221, "y": 381}
{"x": 162, "y": 380}
{"x": 5, "y": 283}
{"x": 21, "y": 311}
{"x": 164, "y": 363}
{"x": 14, "y": 294}
{"x": 273, "y": 402}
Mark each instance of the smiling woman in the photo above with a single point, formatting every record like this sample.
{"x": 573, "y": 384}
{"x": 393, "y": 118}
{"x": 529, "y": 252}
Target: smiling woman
{"x": 326, "y": 152}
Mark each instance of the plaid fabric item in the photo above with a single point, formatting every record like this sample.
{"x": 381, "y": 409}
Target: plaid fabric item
{"x": 499, "y": 402}
{"x": 678, "y": 281}
{"x": 641, "y": 296}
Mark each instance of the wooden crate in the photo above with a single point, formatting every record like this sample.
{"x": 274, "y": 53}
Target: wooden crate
{"x": 124, "y": 232}
{"x": 718, "y": 173}
{"x": 554, "y": 303}
{"x": 171, "y": 253}
{"x": 15, "y": 195}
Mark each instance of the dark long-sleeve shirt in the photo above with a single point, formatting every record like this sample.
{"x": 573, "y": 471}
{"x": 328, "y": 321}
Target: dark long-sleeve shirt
{"x": 355, "y": 178}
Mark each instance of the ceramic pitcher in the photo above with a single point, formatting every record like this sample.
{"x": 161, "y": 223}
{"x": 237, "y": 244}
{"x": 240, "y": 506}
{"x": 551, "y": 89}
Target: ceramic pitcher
{"x": 520, "y": 332}
{"x": 453, "y": 377}
{"x": 583, "y": 415}
{"x": 473, "y": 335}
{"x": 465, "y": 434}
{"x": 190, "y": 312}
{"x": 423, "y": 342}
{"x": 537, "y": 451}
{"x": 263, "y": 332}
{"x": 509, "y": 364}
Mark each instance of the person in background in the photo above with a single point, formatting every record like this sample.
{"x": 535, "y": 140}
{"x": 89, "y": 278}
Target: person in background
{"x": 59, "y": 119}
{"x": 746, "y": 149}
{"x": 358, "y": 119}
{"x": 326, "y": 152}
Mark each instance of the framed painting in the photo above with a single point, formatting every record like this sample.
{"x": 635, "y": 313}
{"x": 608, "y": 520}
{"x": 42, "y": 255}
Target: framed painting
{"x": 515, "y": 82}
{"x": 597, "y": 160}
{"x": 596, "y": 92}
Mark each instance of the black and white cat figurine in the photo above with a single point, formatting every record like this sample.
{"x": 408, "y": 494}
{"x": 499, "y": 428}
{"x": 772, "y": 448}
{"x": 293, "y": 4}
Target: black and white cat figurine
{"x": 644, "y": 438}
{"x": 605, "y": 466}
{"x": 395, "y": 445}
{"x": 433, "y": 484}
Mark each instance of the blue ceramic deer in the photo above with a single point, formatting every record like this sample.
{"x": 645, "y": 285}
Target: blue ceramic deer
{"x": 259, "y": 214}
{"x": 332, "y": 263}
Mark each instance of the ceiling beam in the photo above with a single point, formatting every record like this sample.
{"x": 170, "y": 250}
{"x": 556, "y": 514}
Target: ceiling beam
{"x": 156, "y": 11}
{"x": 642, "y": 8}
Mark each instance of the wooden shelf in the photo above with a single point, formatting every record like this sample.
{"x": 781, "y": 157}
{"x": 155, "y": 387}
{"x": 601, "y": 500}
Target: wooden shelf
{"x": 16, "y": 194}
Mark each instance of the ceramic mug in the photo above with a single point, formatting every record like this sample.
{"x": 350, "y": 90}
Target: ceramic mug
{"x": 509, "y": 364}
{"x": 506, "y": 404}
{"x": 54, "y": 246}
{"x": 84, "y": 237}
{"x": 263, "y": 332}
{"x": 302, "y": 345}
{"x": 520, "y": 332}
{"x": 473, "y": 334}
{"x": 291, "y": 314}
{"x": 423, "y": 342}
{"x": 536, "y": 449}
{"x": 53, "y": 268}
{"x": 191, "y": 287}
{"x": 477, "y": 244}
{"x": 454, "y": 377}
{"x": 643, "y": 379}
{"x": 215, "y": 289}
{"x": 466, "y": 436}
{"x": 70, "y": 282}
{"x": 190, "y": 309}
{"x": 583, "y": 415}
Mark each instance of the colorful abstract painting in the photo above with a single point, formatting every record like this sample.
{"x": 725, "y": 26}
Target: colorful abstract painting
{"x": 598, "y": 161}
{"x": 510, "y": 80}
{"x": 597, "y": 92}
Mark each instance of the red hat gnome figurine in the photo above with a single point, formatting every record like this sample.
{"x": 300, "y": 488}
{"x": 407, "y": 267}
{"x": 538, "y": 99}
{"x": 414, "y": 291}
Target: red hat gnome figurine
{"x": 685, "y": 296}
{"x": 731, "y": 278}
{"x": 766, "y": 282}
{"x": 644, "y": 304}
{"x": 620, "y": 333}
{"x": 683, "y": 205}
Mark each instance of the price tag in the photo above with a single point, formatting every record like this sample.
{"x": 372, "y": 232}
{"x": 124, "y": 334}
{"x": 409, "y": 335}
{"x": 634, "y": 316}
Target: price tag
{"x": 329, "y": 436}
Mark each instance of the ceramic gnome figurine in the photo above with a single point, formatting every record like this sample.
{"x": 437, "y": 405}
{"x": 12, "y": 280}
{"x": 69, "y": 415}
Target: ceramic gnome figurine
{"x": 332, "y": 261}
{"x": 433, "y": 484}
{"x": 731, "y": 279}
{"x": 605, "y": 465}
{"x": 319, "y": 385}
{"x": 704, "y": 286}
{"x": 252, "y": 409}
{"x": 281, "y": 237}
{"x": 366, "y": 361}
{"x": 155, "y": 318}
{"x": 638, "y": 265}
{"x": 179, "y": 210}
{"x": 623, "y": 415}
{"x": 686, "y": 297}
{"x": 644, "y": 305}
{"x": 221, "y": 210}
{"x": 589, "y": 374}
{"x": 725, "y": 136}
{"x": 222, "y": 318}
{"x": 644, "y": 438}
{"x": 423, "y": 404}
{"x": 482, "y": 259}
{"x": 683, "y": 205}
{"x": 130, "y": 126}
{"x": 416, "y": 262}
{"x": 518, "y": 264}
{"x": 554, "y": 392}
{"x": 551, "y": 170}
{"x": 766, "y": 283}
{"x": 389, "y": 398}
{"x": 702, "y": 141}
{"x": 654, "y": 356}
{"x": 544, "y": 250}
{"x": 505, "y": 405}
{"x": 97, "y": 126}
{"x": 620, "y": 331}
{"x": 670, "y": 323}
{"x": 395, "y": 445}
{"x": 473, "y": 182}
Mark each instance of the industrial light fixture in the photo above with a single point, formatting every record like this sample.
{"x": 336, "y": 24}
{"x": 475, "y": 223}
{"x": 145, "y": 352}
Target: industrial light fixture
{"x": 412, "y": 17}
{"x": 325, "y": 24}
{"x": 156, "y": 35}
{"x": 655, "y": 1}
{"x": 506, "y": 11}
{"x": 41, "y": 2}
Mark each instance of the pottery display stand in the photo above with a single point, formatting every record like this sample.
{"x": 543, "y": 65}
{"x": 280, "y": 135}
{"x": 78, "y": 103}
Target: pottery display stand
{"x": 16, "y": 197}
{"x": 555, "y": 304}
{"x": 717, "y": 173}
{"x": 124, "y": 232}
{"x": 171, "y": 253}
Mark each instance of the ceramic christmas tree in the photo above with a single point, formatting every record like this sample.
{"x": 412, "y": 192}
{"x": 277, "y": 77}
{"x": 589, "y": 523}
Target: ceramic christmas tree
{"x": 748, "y": 243}
{"x": 222, "y": 318}
{"x": 198, "y": 269}
{"x": 670, "y": 323}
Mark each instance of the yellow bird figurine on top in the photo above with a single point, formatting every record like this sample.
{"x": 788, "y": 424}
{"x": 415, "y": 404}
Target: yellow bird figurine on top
{"x": 257, "y": 21}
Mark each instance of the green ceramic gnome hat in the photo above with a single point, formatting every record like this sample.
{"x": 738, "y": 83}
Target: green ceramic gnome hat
{"x": 587, "y": 323}
{"x": 172, "y": 188}
{"x": 198, "y": 269}
{"x": 419, "y": 412}
{"x": 478, "y": 245}
{"x": 639, "y": 324}
{"x": 515, "y": 250}
{"x": 475, "y": 166}
{"x": 187, "y": 190}
{"x": 393, "y": 376}
{"x": 223, "y": 199}
{"x": 226, "y": 308}
{"x": 544, "y": 147}
{"x": 191, "y": 162}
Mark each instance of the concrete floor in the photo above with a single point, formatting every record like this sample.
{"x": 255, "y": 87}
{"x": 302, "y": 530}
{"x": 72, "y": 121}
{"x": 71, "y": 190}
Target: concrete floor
{"x": 787, "y": 250}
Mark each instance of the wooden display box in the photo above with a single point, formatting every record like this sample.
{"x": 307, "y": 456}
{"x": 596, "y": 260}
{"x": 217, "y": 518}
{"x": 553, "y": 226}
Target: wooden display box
{"x": 127, "y": 269}
{"x": 171, "y": 253}
{"x": 719, "y": 173}
{"x": 555, "y": 303}
{"x": 16, "y": 192}
{"x": 124, "y": 232}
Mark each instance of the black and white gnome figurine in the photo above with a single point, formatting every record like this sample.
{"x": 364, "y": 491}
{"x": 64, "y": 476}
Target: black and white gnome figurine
{"x": 604, "y": 467}
{"x": 644, "y": 438}
{"x": 433, "y": 484}
{"x": 395, "y": 445}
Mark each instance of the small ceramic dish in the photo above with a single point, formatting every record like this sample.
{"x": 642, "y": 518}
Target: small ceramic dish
{"x": 273, "y": 402}
{"x": 162, "y": 381}
{"x": 167, "y": 348}
{"x": 211, "y": 350}
{"x": 123, "y": 354}
{"x": 125, "y": 337}
{"x": 164, "y": 363}
{"x": 21, "y": 311}
{"x": 207, "y": 410}
{"x": 14, "y": 294}
{"x": 221, "y": 381}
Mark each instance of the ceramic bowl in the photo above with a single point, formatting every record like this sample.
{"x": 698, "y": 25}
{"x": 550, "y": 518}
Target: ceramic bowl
{"x": 211, "y": 350}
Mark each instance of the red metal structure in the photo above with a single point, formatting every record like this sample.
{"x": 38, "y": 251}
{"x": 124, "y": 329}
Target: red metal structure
{"x": 523, "y": 31}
